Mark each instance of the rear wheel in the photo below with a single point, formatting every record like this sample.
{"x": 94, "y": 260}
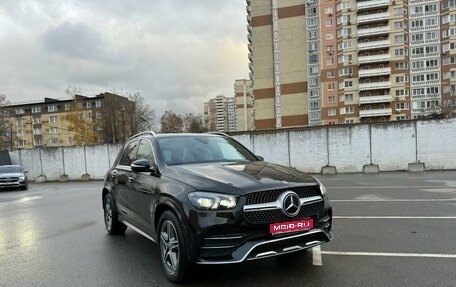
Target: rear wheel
{"x": 111, "y": 218}
{"x": 172, "y": 247}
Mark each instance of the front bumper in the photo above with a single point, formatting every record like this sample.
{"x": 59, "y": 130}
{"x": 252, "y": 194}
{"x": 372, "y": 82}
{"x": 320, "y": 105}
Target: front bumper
{"x": 259, "y": 249}
{"x": 13, "y": 184}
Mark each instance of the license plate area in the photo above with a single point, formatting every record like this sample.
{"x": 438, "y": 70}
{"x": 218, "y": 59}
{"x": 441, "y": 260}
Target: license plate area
{"x": 290, "y": 226}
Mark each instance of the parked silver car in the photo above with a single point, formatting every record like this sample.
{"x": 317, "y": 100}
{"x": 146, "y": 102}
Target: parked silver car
{"x": 13, "y": 176}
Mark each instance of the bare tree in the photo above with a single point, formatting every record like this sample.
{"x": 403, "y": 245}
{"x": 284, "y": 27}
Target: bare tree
{"x": 448, "y": 104}
{"x": 5, "y": 125}
{"x": 142, "y": 116}
{"x": 171, "y": 123}
{"x": 193, "y": 124}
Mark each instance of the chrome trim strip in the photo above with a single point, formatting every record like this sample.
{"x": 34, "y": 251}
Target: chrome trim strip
{"x": 313, "y": 242}
{"x": 296, "y": 247}
{"x": 217, "y": 247}
{"x": 312, "y": 231}
{"x": 269, "y": 253}
{"x": 278, "y": 204}
{"x": 223, "y": 238}
{"x": 137, "y": 230}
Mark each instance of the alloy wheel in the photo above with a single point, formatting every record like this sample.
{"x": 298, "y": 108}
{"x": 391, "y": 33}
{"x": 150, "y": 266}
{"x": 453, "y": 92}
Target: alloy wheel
{"x": 108, "y": 214}
{"x": 169, "y": 246}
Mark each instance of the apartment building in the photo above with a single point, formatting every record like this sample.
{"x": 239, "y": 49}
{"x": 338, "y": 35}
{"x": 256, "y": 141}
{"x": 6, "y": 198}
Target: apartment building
{"x": 243, "y": 94}
{"x": 334, "y": 62}
{"x": 57, "y": 122}
{"x": 220, "y": 114}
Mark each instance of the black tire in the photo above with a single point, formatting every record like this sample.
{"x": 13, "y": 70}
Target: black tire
{"x": 111, "y": 218}
{"x": 25, "y": 187}
{"x": 172, "y": 248}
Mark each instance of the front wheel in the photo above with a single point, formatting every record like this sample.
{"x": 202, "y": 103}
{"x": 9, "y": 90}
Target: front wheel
{"x": 172, "y": 247}
{"x": 111, "y": 219}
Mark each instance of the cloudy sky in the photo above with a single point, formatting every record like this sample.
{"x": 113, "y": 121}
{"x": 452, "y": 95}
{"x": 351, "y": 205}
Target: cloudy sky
{"x": 176, "y": 53}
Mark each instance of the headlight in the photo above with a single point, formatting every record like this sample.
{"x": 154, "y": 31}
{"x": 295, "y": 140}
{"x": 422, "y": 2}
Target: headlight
{"x": 211, "y": 201}
{"x": 21, "y": 178}
{"x": 322, "y": 187}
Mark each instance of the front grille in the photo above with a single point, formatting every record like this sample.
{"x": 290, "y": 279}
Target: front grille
{"x": 276, "y": 215}
{"x": 272, "y": 195}
{"x": 10, "y": 179}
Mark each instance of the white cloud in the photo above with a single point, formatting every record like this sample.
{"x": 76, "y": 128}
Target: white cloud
{"x": 177, "y": 53}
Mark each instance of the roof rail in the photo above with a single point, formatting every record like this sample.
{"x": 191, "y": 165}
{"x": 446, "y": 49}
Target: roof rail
{"x": 152, "y": 133}
{"x": 218, "y": 133}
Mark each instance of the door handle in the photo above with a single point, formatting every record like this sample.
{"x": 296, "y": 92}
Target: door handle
{"x": 130, "y": 178}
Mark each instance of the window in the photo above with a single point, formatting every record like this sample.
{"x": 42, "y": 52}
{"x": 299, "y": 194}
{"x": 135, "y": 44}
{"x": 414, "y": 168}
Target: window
{"x": 399, "y": 52}
{"x": 36, "y": 120}
{"x": 22, "y": 143}
{"x": 129, "y": 153}
{"x": 99, "y": 115}
{"x": 348, "y": 97}
{"x": 55, "y": 141}
{"x": 332, "y": 112}
{"x": 401, "y": 65}
{"x": 314, "y": 105}
{"x": 331, "y": 99}
{"x": 331, "y": 86}
{"x": 348, "y": 84}
{"x": 399, "y": 25}
{"x": 399, "y": 38}
{"x": 36, "y": 109}
{"x": 53, "y": 119}
{"x": 314, "y": 70}
{"x": 401, "y": 79}
{"x": 315, "y": 116}
{"x": 20, "y": 111}
{"x": 52, "y": 108}
{"x": 20, "y": 122}
{"x": 348, "y": 110}
{"x": 38, "y": 142}
{"x": 313, "y": 59}
{"x": 145, "y": 151}
{"x": 89, "y": 105}
{"x": 20, "y": 133}
{"x": 67, "y": 106}
{"x": 400, "y": 93}
{"x": 402, "y": 106}
{"x": 329, "y": 23}
{"x": 331, "y": 74}
{"x": 329, "y": 36}
{"x": 54, "y": 130}
{"x": 330, "y": 61}
{"x": 328, "y": 10}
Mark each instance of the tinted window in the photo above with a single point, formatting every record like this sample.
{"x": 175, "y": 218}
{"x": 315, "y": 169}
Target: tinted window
{"x": 198, "y": 149}
{"x": 10, "y": 168}
{"x": 129, "y": 153}
{"x": 145, "y": 151}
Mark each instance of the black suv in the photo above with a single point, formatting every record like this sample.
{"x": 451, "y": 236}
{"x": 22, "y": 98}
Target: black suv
{"x": 206, "y": 199}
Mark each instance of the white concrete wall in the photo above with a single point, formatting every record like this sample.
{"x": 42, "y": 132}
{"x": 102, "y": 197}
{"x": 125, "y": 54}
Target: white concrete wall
{"x": 392, "y": 146}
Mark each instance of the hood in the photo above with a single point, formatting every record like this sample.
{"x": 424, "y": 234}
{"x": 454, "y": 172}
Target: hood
{"x": 11, "y": 174}
{"x": 238, "y": 178}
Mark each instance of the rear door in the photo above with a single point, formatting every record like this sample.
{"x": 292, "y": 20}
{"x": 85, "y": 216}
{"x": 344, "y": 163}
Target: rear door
{"x": 144, "y": 188}
{"x": 120, "y": 175}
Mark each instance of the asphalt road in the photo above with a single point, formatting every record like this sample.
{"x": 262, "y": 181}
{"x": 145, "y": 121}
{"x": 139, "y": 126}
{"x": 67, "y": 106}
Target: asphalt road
{"x": 391, "y": 229}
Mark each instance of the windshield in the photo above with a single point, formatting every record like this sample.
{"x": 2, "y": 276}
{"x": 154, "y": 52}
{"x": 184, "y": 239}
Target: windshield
{"x": 10, "y": 169}
{"x": 199, "y": 149}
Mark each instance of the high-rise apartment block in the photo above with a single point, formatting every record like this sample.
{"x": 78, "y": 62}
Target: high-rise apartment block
{"x": 244, "y": 105}
{"x": 220, "y": 114}
{"x": 330, "y": 62}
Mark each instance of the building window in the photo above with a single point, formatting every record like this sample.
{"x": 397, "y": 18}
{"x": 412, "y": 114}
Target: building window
{"x": 54, "y": 141}
{"x": 36, "y": 109}
{"x": 402, "y": 106}
{"x": 36, "y": 120}
{"x": 67, "y": 106}
{"x": 314, "y": 105}
{"x": 20, "y": 122}
{"x": 331, "y": 86}
{"x": 89, "y": 105}
{"x": 332, "y": 112}
{"x": 52, "y": 108}
{"x": 331, "y": 99}
{"x": 20, "y": 133}
{"x": 53, "y": 119}
{"x": 99, "y": 115}
{"x": 37, "y": 131}
{"x": 330, "y": 61}
{"x": 348, "y": 84}
{"x": 22, "y": 143}
{"x": 20, "y": 111}
{"x": 329, "y": 36}
{"x": 348, "y": 97}
{"x": 349, "y": 110}
{"x": 38, "y": 142}
{"x": 329, "y": 23}
{"x": 54, "y": 130}
{"x": 331, "y": 74}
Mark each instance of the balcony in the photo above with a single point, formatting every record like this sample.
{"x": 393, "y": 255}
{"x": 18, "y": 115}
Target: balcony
{"x": 363, "y": 19}
{"x": 374, "y": 59}
{"x": 375, "y": 113}
{"x": 365, "y": 5}
{"x": 375, "y": 99}
{"x": 376, "y": 31}
{"x": 430, "y": 110}
{"x": 363, "y": 46}
{"x": 374, "y": 86}
{"x": 374, "y": 72}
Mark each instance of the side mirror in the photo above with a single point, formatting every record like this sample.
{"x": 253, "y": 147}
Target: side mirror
{"x": 140, "y": 165}
{"x": 260, "y": 158}
{"x": 25, "y": 171}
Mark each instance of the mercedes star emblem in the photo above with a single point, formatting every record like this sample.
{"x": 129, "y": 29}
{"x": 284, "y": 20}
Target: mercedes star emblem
{"x": 291, "y": 204}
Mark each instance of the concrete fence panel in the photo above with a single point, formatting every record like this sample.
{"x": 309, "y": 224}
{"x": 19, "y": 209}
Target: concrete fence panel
{"x": 245, "y": 140}
{"x": 75, "y": 165}
{"x": 97, "y": 161}
{"x": 308, "y": 149}
{"x": 272, "y": 146}
{"x": 349, "y": 148}
{"x": 393, "y": 145}
{"x": 52, "y": 159}
{"x": 30, "y": 161}
{"x": 437, "y": 144}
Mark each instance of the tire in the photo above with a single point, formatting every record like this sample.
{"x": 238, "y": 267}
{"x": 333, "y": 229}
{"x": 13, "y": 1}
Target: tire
{"x": 172, "y": 248}
{"x": 25, "y": 187}
{"x": 111, "y": 218}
